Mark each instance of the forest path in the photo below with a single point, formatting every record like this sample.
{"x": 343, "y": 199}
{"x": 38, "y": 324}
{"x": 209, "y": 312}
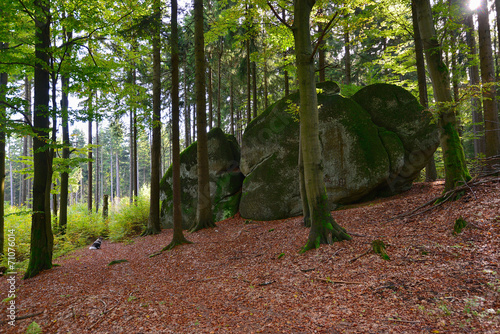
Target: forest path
{"x": 250, "y": 278}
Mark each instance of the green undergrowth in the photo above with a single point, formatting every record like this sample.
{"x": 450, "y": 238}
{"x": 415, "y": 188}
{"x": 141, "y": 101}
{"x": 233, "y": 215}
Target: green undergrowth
{"x": 125, "y": 221}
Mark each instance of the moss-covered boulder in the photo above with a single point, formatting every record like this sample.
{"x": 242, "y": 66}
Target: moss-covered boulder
{"x": 361, "y": 157}
{"x": 398, "y": 111}
{"x": 355, "y": 159}
{"x": 225, "y": 181}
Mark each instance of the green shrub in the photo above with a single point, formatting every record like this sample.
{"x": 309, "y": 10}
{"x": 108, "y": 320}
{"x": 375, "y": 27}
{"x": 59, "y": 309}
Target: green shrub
{"x": 127, "y": 219}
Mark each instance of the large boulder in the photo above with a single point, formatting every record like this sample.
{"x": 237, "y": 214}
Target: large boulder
{"x": 397, "y": 110}
{"x": 225, "y": 181}
{"x": 360, "y": 156}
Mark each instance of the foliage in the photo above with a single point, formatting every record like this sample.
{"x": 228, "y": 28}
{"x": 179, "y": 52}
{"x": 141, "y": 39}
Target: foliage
{"x": 127, "y": 219}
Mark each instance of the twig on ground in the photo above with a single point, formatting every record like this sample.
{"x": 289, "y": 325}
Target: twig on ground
{"x": 327, "y": 280}
{"x": 359, "y": 256}
{"x": 405, "y": 321}
{"x": 266, "y": 283}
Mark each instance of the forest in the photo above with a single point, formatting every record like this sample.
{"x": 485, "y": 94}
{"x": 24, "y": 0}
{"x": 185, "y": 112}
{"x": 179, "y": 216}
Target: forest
{"x": 251, "y": 166}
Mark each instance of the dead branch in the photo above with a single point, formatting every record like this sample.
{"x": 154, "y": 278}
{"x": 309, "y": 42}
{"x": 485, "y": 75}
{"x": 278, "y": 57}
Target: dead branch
{"x": 336, "y": 282}
{"x": 359, "y": 256}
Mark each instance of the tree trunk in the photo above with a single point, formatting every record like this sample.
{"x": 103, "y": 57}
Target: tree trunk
{"x": 453, "y": 153}
{"x": 231, "y": 103}
{"x": 26, "y": 140}
{"x": 254, "y": 89}
{"x": 266, "y": 99}
{"x": 347, "y": 56}
{"x": 492, "y": 129}
{"x": 42, "y": 239}
{"x": 249, "y": 87}
{"x": 63, "y": 213}
{"x": 321, "y": 51}
{"x": 178, "y": 237}
{"x": 97, "y": 162}
{"x": 187, "y": 111}
{"x": 111, "y": 170}
{"x": 210, "y": 99}
{"x": 90, "y": 171}
{"x": 219, "y": 92}
{"x": 3, "y": 117}
{"x": 324, "y": 229}
{"x": 117, "y": 175}
{"x": 154, "y": 226}
{"x": 204, "y": 216}
{"x": 430, "y": 168}
{"x": 477, "y": 113}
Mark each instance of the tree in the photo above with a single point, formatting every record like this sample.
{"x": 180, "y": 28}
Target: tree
{"x": 456, "y": 171}
{"x": 430, "y": 168}
{"x": 324, "y": 229}
{"x": 154, "y": 226}
{"x": 178, "y": 237}
{"x": 42, "y": 239}
{"x": 491, "y": 126}
{"x": 3, "y": 118}
{"x": 204, "y": 216}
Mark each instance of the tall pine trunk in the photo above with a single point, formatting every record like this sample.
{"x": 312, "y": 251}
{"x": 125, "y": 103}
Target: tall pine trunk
{"x": 204, "y": 216}
{"x": 42, "y": 239}
{"x": 154, "y": 226}
{"x": 456, "y": 172}
{"x": 178, "y": 237}
{"x": 324, "y": 229}
{"x": 3, "y": 118}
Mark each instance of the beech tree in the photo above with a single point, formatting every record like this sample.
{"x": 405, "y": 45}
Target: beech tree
{"x": 3, "y": 118}
{"x": 456, "y": 171}
{"x": 42, "y": 239}
{"x": 324, "y": 229}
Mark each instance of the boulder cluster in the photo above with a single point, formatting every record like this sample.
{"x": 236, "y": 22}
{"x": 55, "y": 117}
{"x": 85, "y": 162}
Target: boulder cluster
{"x": 374, "y": 144}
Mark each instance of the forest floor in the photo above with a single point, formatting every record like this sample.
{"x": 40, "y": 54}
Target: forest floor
{"x": 250, "y": 278}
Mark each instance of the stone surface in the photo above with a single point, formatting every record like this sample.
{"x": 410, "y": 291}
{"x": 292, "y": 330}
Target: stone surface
{"x": 225, "y": 181}
{"x": 397, "y": 110}
{"x": 364, "y": 154}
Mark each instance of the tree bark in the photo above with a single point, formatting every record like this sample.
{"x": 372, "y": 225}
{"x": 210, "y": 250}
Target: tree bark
{"x": 477, "y": 113}
{"x": 347, "y": 56}
{"x": 492, "y": 129}
{"x": 3, "y": 117}
{"x": 204, "y": 216}
{"x": 249, "y": 85}
{"x": 430, "y": 168}
{"x": 63, "y": 213}
{"x": 231, "y": 105}
{"x": 42, "y": 239}
{"x": 324, "y": 229}
{"x": 178, "y": 237}
{"x": 97, "y": 162}
{"x": 254, "y": 89}
{"x": 219, "y": 91}
{"x": 210, "y": 99}
{"x": 187, "y": 111}
{"x": 90, "y": 163}
{"x": 453, "y": 153}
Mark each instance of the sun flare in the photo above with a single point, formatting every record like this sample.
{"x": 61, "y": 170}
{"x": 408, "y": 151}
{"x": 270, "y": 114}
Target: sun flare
{"x": 474, "y": 4}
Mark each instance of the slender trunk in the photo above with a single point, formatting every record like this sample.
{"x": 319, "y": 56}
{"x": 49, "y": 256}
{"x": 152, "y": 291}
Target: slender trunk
{"x": 187, "y": 111}
{"x": 324, "y": 229}
{"x": 453, "y": 154}
{"x": 154, "y": 226}
{"x": 254, "y": 89}
{"x": 347, "y": 56}
{"x": 117, "y": 175}
{"x": 3, "y": 118}
{"x": 266, "y": 100}
{"x": 321, "y": 52}
{"x": 219, "y": 92}
{"x": 231, "y": 103}
{"x": 11, "y": 178}
{"x": 287, "y": 84}
{"x": 178, "y": 237}
{"x": 210, "y": 98}
{"x": 477, "y": 113}
{"x": 112, "y": 189}
{"x": 135, "y": 158}
{"x": 97, "y": 162}
{"x": 42, "y": 239}
{"x": 204, "y": 216}
{"x": 491, "y": 125}
{"x": 26, "y": 139}
{"x": 63, "y": 214}
{"x": 249, "y": 84}
{"x": 89, "y": 189}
